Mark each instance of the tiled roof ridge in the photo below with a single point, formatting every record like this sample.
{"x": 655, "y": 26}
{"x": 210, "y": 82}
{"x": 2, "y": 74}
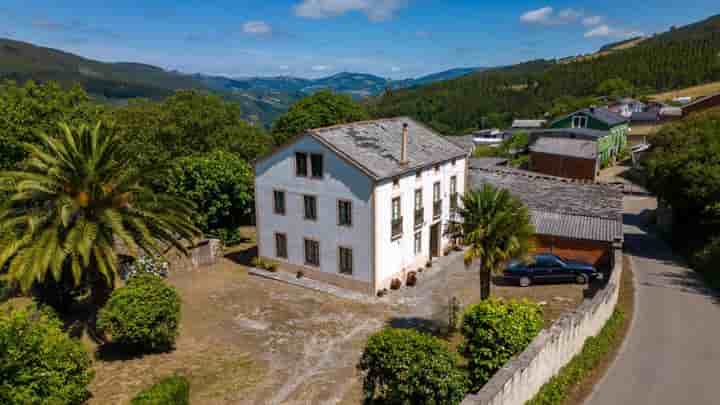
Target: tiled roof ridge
{"x": 364, "y": 122}
{"x": 572, "y": 214}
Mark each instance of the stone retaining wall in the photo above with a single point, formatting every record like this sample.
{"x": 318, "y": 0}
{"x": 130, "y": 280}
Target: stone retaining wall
{"x": 204, "y": 253}
{"x": 521, "y": 378}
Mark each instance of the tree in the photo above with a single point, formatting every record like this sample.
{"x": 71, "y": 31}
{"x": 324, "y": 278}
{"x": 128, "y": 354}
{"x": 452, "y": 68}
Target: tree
{"x": 187, "y": 123}
{"x": 496, "y": 227}
{"x": 221, "y": 186}
{"x": 322, "y": 109}
{"x": 74, "y": 202}
{"x": 615, "y": 87}
{"x": 27, "y": 109}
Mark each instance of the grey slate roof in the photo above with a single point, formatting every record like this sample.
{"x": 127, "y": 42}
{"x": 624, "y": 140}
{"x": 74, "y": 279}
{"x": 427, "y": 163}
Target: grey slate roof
{"x": 601, "y": 114}
{"x": 487, "y": 162}
{"x": 375, "y": 145}
{"x": 580, "y": 133}
{"x": 646, "y": 116}
{"x": 464, "y": 141}
{"x": 579, "y": 148}
{"x": 528, "y": 123}
{"x": 559, "y": 207}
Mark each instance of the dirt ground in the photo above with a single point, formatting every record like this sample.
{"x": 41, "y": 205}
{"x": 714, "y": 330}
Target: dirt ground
{"x": 249, "y": 340}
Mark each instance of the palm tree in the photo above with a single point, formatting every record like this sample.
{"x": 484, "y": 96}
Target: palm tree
{"x": 73, "y": 202}
{"x": 496, "y": 227}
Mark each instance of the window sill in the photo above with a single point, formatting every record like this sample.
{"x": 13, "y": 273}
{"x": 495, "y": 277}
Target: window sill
{"x": 396, "y": 237}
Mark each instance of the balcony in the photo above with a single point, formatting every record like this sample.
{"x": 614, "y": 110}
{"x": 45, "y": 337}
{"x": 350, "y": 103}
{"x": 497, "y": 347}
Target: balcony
{"x": 419, "y": 217}
{"x": 397, "y": 228}
{"x": 437, "y": 209}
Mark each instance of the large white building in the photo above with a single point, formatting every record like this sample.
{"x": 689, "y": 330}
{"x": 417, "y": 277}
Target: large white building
{"x": 358, "y": 205}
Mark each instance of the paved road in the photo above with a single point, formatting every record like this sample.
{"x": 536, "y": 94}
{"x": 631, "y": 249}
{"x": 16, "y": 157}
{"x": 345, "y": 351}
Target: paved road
{"x": 672, "y": 353}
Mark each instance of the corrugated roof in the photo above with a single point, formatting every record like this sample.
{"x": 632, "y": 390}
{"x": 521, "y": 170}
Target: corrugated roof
{"x": 528, "y": 123}
{"x": 579, "y": 148}
{"x": 582, "y": 133}
{"x": 560, "y": 207}
{"x": 375, "y": 145}
{"x": 576, "y": 226}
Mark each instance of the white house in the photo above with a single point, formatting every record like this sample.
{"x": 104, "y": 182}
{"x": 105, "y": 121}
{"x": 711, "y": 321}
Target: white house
{"x": 358, "y": 205}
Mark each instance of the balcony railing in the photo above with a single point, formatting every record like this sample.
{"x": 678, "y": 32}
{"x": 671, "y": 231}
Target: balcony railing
{"x": 437, "y": 209}
{"x": 397, "y": 228}
{"x": 419, "y": 217}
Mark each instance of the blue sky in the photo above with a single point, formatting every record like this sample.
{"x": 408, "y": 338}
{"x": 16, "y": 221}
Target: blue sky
{"x": 312, "y": 38}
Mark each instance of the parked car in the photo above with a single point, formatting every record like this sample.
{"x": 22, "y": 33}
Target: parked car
{"x": 549, "y": 268}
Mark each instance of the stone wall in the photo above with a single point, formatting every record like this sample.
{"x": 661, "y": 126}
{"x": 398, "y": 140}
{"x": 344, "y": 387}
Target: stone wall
{"x": 204, "y": 253}
{"x": 553, "y": 348}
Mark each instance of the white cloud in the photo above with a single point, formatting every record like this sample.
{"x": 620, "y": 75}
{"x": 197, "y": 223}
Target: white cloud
{"x": 376, "y": 10}
{"x": 538, "y": 16}
{"x": 605, "y": 31}
{"x": 548, "y": 16}
{"x": 593, "y": 20}
{"x": 395, "y": 69}
{"x": 257, "y": 28}
{"x": 320, "y": 68}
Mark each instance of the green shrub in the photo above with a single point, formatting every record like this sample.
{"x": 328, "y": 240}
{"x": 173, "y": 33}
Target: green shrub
{"x": 555, "y": 391}
{"x": 494, "y": 332}
{"x": 173, "y": 390}
{"x": 705, "y": 261}
{"x": 408, "y": 367}
{"x": 142, "y": 316}
{"x": 39, "y": 363}
{"x": 265, "y": 264}
{"x": 5, "y": 290}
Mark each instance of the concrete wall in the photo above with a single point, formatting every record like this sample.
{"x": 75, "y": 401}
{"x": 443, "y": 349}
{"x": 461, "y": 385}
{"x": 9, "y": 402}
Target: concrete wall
{"x": 341, "y": 181}
{"x": 395, "y": 258}
{"x": 521, "y": 378}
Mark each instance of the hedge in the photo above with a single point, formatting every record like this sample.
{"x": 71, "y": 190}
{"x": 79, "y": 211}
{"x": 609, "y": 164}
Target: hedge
{"x": 173, "y": 390}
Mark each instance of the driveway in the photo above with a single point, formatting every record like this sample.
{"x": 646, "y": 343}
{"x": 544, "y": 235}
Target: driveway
{"x": 672, "y": 353}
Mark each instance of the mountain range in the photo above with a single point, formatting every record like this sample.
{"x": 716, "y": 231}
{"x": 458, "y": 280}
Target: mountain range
{"x": 262, "y": 98}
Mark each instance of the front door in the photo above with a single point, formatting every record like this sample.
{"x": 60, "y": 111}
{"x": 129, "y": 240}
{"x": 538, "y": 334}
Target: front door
{"x": 435, "y": 240}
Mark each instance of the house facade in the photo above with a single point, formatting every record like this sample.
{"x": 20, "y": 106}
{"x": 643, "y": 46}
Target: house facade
{"x": 358, "y": 205}
{"x": 600, "y": 119}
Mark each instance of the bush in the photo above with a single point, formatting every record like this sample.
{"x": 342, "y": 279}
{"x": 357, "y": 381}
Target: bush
{"x": 404, "y": 366}
{"x": 142, "y": 316}
{"x": 395, "y": 284}
{"x": 173, "y": 390}
{"x": 411, "y": 279}
{"x": 6, "y": 290}
{"x": 39, "y": 363}
{"x": 494, "y": 332}
{"x": 156, "y": 266}
{"x": 556, "y": 391}
{"x": 265, "y": 264}
{"x": 705, "y": 261}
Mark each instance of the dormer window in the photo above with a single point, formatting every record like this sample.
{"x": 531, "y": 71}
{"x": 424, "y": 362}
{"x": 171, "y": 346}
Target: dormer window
{"x": 579, "y": 121}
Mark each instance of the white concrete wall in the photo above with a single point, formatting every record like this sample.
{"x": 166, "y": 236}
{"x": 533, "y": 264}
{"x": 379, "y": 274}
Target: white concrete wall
{"x": 341, "y": 181}
{"x": 521, "y": 378}
{"x": 397, "y": 257}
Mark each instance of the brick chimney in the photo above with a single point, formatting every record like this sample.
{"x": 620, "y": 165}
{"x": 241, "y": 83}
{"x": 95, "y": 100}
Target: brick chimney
{"x": 403, "y": 148}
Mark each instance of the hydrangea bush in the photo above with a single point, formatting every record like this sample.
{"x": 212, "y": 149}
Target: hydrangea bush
{"x": 156, "y": 266}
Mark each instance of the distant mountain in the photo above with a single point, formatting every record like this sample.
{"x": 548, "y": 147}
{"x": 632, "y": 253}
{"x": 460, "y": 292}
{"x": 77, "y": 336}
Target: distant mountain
{"x": 262, "y": 98}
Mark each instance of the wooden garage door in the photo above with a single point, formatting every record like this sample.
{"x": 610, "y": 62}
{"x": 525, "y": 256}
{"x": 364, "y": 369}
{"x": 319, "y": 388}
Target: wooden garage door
{"x": 596, "y": 253}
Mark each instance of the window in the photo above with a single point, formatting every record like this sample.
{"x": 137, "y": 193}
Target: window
{"x": 301, "y": 164}
{"x": 396, "y": 183}
{"x": 279, "y": 202}
{"x": 418, "y": 174}
{"x": 344, "y": 213}
{"x": 310, "y": 203}
{"x": 453, "y": 193}
{"x": 281, "y": 246}
{"x": 418, "y": 243}
{"x": 419, "y": 211}
{"x": 579, "y": 121}
{"x": 437, "y": 201}
{"x": 345, "y": 258}
{"x": 316, "y": 165}
{"x": 396, "y": 222}
{"x": 312, "y": 252}
{"x": 437, "y": 168}
{"x": 454, "y": 161}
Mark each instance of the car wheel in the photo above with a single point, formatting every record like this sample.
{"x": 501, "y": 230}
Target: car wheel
{"x": 525, "y": 281}
{"x": 581, "y": 279}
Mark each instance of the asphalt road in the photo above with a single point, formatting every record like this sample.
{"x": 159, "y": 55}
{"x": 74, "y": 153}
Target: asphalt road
{"x": 672, "y": 353}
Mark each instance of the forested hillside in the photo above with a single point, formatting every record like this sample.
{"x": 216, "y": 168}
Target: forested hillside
{"x": 679, "y": 58}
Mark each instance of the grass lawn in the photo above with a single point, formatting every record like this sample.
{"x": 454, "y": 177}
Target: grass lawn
{"x": 695, "y": 91}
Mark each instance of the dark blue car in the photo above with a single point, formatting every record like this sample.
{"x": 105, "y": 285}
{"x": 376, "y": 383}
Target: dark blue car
{"x": 548, "y": 268}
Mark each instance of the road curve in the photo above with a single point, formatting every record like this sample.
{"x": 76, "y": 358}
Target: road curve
{"x": 671, "y": 355}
